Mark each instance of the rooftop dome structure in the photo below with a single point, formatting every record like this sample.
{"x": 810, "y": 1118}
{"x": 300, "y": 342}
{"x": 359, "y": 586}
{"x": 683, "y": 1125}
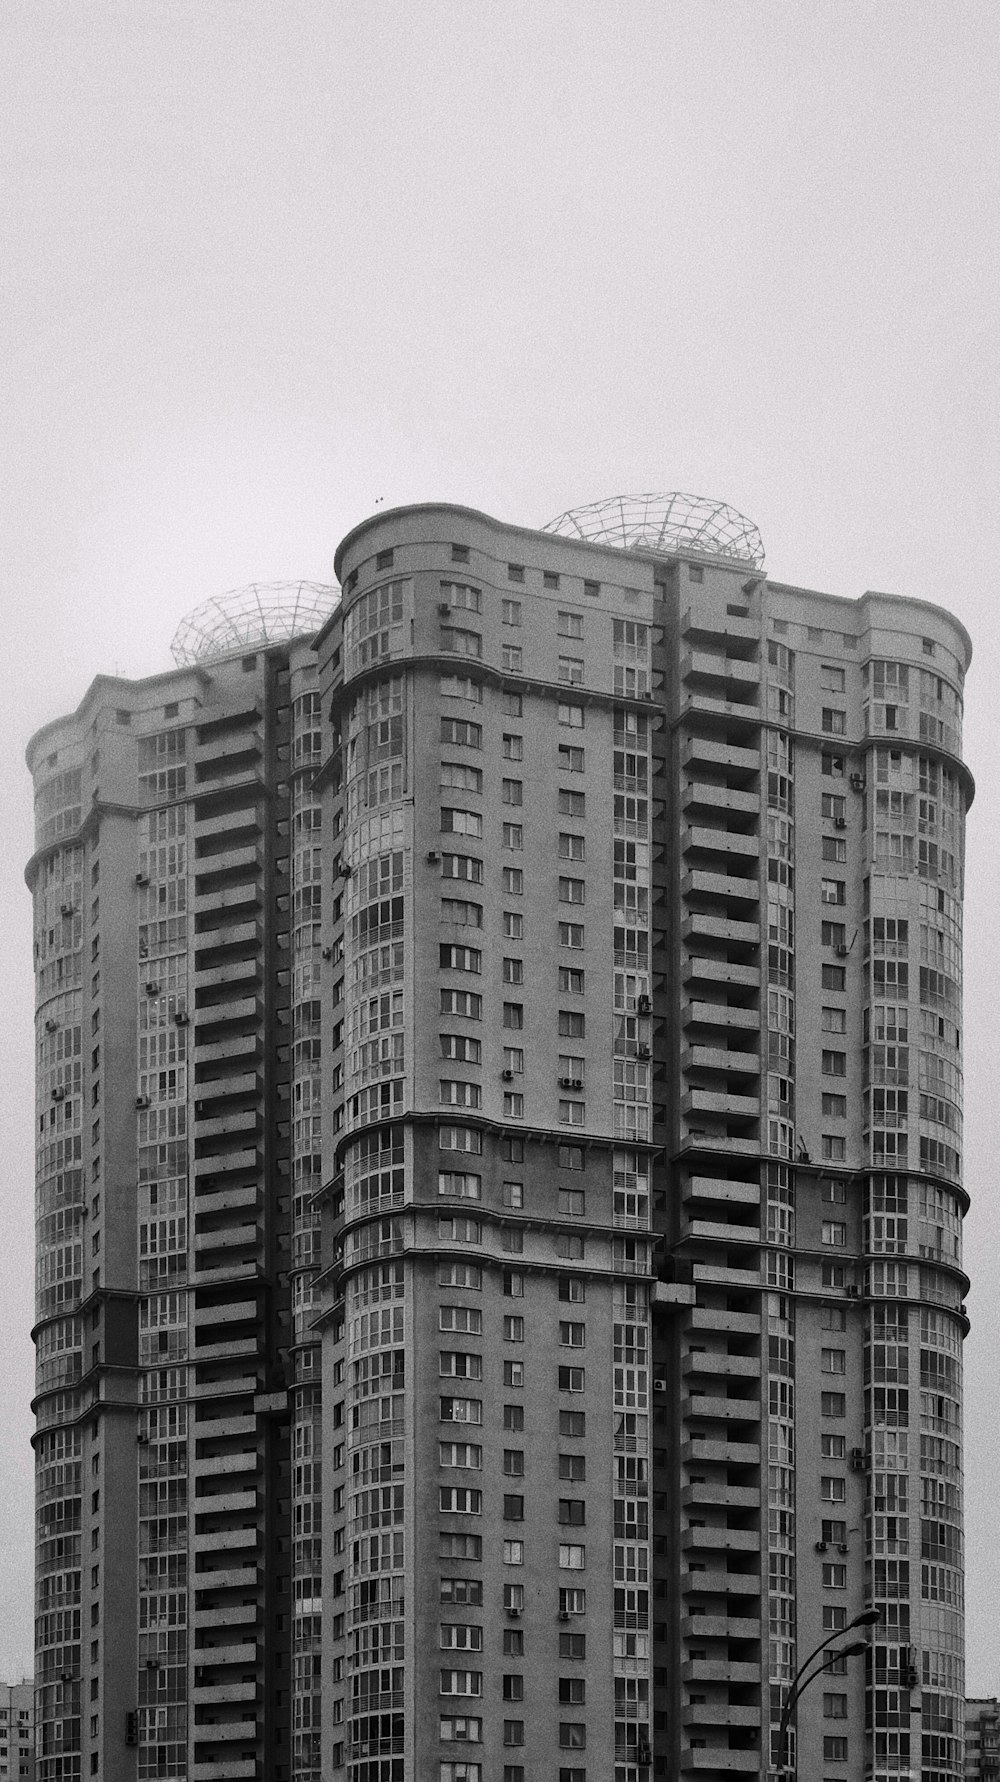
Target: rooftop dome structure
{"x": 665, "y": 523}
{"x": 250, "y": 618}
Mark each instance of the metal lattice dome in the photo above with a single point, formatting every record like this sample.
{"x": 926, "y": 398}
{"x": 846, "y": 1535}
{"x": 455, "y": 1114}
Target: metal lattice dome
{"x": 665, "y": 523}
{"x": 247, "y": 618}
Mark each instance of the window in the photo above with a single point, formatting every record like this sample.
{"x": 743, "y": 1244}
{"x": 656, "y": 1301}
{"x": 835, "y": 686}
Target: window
{"x": 592, "y": 588}
{"x": 460, "y": 1500}
{"x": 572, "y": 1113}
{"x": 835, "y": 849}
{"x": 832, "y": 1447}
{"x": 512, "y": 791}
{"x": 572, "y": 1602}
{"x": 513, "y": 747}
{"x": 572, "y": 890}
{"x": 833, "y": 1148}
{"x": 834, "y": 1234}
{"x": 510, "y": 612}
{"x": 513, "y": 1732}
{"x": 572, "y": 1379}
{"x": 460, "y": 641}
{"x": 460, "y": 958}
{"x": 459, "y": 1184}
{"x": 513, "y": 971}
{"x": 513, "y": 1463}
{"x": 513, "y": 1507}
{"x": 834, "y": 1707}
{"x": 834, "y": 766}
{"x": 571, "y": 934}
{"x": 834, "y": 977}
{"x": 513, "y": 1373}
{"x": 833, "y": 891}
{"x": 572, "y": 1512}
{"x": 459, "y": 553}
{"x": 571, "y": 980}
{"x": 515, "y": 572}
{"x": 510, "y": 658}
{"x": 833, "y": 1361}
{"x": 572, "y": 1735}
{"x": 513, "y": 837}
{"x": 834, "y": 1750}
{"x": 834, "y": 721}
{"x": 572, "y": 1291}
{"x": 832, "y": 1489}
{"x": 571, "y": 847}
{"x": 511, "y": 704}
{"x": 833, "y": 1404}
{"x": 570, "y": 758}
{"x": 573, "y": 1466}
{"x": 453, "y": 1545}
{"x": 457, "y": 1636}
{"x": 461, "y": 1683}
{"x": 570, "y": 714}
{"x": 462, "y": 1590}
{"x": 461, "y": 1046}
{"x": 461, "y": 1364}
{"x": 513, "y": 1327}
{"x": 513, "y": 1278}
{"x": 462, "y": 866}
{"x": 513, "y": 881}
{"x": 513, "y": 1418}
{"x": 831, "y": 678}
{"x": 573, "y": 1423}
{"x": 457, "y": 822}
{"x": 834, "y": 1064}
{"x": 572, "y": 1690}
{"x": 458, "y": 730}
{"x": 572, "y": 1203}
{"x": 513, "y": 1554}
{"x": 834, "y": 1020}
{"x": 571, "y": 804}
{"x": 834, "y": 1107}
{"x": 513, "y": 925}
{"x": 569, "y": 671}
{"x": 572, "y": 1556}
{"x": 570, "y": 1157}
{"x": 572, "y": 1335}
{"x": 513, "y": 1016}
{"x": 834, "y": 1577}
{"x": 569, "y": 624}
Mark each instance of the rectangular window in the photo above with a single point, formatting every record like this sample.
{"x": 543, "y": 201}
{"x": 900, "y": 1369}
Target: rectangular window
{"x": 834, "y": 1107}
{"x": 569, "y": 624}
{"x": 513, "y": 747}
{"x": 572, "y": 1113}
{"x": 833, "y": 1361}
{"x": 515, "y": 572}
{"x": 513, "y": 1373}
{"x": 833, "y": 1148}
{"x": 571, "y": 934}
{"x": 834, "y": 977}
{"x": 834, "y": 1707}
{"x": 510, "y": 612}
{"x": 510, "y": 658}
{"x": 834, "y": 1577}
{"x": 835, "y": 1234}
{"x": 572, "y": 1379}
{"x": 513, "y": 925}
{"x": 460, "y": 1410}
{"x": 831, "y": 678}
{"x": 513, "y": 837}
{"x": 571, "y": 847}
{"x": 572, "y": 1024}
{"x": 460, "y": 958}
{"x": 571, "y": 980}
{"x": 834, "y": 766}
{"x": 570, "y": 759}
{"x": 513, "y": 881}
{"x": 571, "y": 804}
{"x": 834, "y": 721}
{"x": 833, "y": 1404}
{"x": 572, "y": 890}
{"x": 460, "y": 1500}
{"x": 512, "y": 792}
{"x": 834, "y": 1749}
{"x": 833, "y": 934}
{"x": 572, "y": 1556}
{"x": 456, "y": 822}
{"x": 835, "y": 848}
{"x": 569, "y": 671}
{"x": 833, "y": 891}
{"x": 461, "y": 642}
{"x": 513, "y": 1507}
{"x": 513, "y": 1554}
{"x": 459, "y": 1184}
{"x": 570, "y": 714}
{"x": 513, "y": 1015}
{"x": 511, "y": 704}
{"x": 462, "y": 1002}
{"x": 513, "y": 971}
{"x": 572, "y": 1335}
{"x": 460, "y": 1138}
{"x": 833, "y": 1020}
{"x": 832, "y": 1489}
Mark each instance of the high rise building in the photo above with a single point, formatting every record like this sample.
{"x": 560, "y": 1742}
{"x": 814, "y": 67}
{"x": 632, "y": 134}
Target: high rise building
{"x": 17, "y": 1731}
{"x": 482, "y": 916}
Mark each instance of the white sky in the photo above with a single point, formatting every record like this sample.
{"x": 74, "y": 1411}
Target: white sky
{"x": 268, "y": 262}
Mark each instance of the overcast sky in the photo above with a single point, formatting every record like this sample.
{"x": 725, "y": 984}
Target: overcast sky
{"x": 267, "y": 264}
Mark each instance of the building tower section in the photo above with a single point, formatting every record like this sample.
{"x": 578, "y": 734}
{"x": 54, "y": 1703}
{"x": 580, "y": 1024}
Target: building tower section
{"x": 486, "y": 1304}
{"x": 167, "y": 1149}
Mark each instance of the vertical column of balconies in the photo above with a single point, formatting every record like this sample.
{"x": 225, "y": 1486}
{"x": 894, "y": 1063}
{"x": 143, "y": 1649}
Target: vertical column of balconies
{"x": 229, "y": 1312}
{"x": 60, "y": 1210}
{"x": 718, "y": 1230}
{"x": 913, "y": 1209}
{"x": 162, "y": 1250}
{"x": 306, "y": 913}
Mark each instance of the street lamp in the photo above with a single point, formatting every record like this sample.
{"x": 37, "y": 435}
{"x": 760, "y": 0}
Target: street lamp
{"x": 800, "y": 1682}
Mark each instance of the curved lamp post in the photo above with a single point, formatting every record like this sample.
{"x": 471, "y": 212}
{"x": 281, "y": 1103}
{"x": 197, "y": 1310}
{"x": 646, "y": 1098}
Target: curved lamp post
{"x": 801, "y": 1681}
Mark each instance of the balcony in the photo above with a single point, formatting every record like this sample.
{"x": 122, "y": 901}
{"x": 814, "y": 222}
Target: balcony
{"x": 718, "y": 1364}
{"x": 205, "y": 1694}
{"x": 239, "y": 1122}
{"x": 715, "y": 1582}
{"x": 720, "y": 1540}
{"x": 697, "y": 1451}
{"x": 712, "y": 1101}
{"x": 721, "y": 1713}
{"x": 717, "y": 1408}
{"x": 719, "y": 1014}
{"x": 240, "y": 1046}
{"x": 719, "y": 1188}
{"x": 699, "y": 883}
{"x": 724, "y": 1058}
{"x": 247, "y": 1161}
{"x": 223, "y": 1200}
{"x": 715, "y": 1757}
{"x": 672, "y": 1294}
{"x": 697, "y": 837}
{"x": 714, "y": 1274}
{"x": 706, "y": 665}
{"x": 229, "y": 1769}
{"x": 712, "y": 752}
{"x": 211, "y": 1656}
{"x": 719, "y": 1670}
{"x": 720, "y": 971}
{"x": 718, "y": 1231}
{"x": 234, "y": 971}
{"x": 708, "y": 796}
{"x": 743, "y": 1323}
{"x": 229, "y": 1503}
{"x": 718, "y": 1627}
{"x": 717, "y": 1495}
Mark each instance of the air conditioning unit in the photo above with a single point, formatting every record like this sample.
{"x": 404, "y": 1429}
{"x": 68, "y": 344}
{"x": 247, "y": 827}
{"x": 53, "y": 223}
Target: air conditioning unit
{"x": 327, "y": 952}
{"x": 67, "y": 909}
{"x": 346, "y": 869}
{"x": 432, "y": 856}
{"x": 51, "y": 1026}
{"x": 563, "y": 1615}
{"x": 142, "y": 1101}
{"x": 59, "y": 1093}
{"x": 659, "y": 1385}
{"x": 820, "y": 1546}
{"x": 444, "y": 609}
{"x": 152, "y": 988}
{"x": 857, "y": 1460}
{"x": 854, "y": 1292}
{"x": 571, "y": 1082}
{"x": 858, "y": 782}
{"x": 840, "y": 822}
{"x": 181, "y": 1019}
{"x": 508, "y": 1076}
{"x": 514, "y": 1614}
{"x": 842, "y": 951}
{"x": 842, "y": 1547}
{"x": 142, "y": 878}
{"x": 643, "y": 1005}
{"x": 642, "y": 1052}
